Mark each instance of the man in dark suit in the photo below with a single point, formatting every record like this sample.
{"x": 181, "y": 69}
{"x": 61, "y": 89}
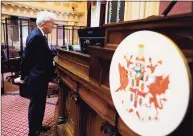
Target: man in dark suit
{"x": 37, "y": 68}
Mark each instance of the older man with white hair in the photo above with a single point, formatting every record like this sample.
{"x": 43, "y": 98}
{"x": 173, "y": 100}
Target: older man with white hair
{"x": 37, "y": 70}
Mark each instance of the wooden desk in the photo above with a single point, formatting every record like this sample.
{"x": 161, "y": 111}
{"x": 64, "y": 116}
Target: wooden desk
{"x": 85, "y": 106}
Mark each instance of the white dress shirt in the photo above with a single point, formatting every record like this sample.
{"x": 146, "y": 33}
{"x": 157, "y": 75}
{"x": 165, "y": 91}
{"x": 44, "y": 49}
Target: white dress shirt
{"x": 44, "y": 35}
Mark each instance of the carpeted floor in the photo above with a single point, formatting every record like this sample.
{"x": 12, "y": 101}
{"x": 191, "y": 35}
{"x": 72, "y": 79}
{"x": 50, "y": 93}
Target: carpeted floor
{"x": 14, "y": 120}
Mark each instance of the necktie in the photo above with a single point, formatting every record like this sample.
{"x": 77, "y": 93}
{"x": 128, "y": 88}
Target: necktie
{"x": 46, "y": 41}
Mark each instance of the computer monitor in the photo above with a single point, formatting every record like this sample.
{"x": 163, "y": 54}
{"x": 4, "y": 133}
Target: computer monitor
{"x": 92, "y": 36}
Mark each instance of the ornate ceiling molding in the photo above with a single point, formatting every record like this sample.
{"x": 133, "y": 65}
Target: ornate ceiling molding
{"x": 11, "y": 8}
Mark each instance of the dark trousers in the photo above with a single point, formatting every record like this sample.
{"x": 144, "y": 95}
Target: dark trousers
{"x": 36, "y": 109}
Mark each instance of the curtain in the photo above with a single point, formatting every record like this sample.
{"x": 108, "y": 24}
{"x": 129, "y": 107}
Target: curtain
{"x": 89, "y": 13}
{"x": 14, "y": 29}
{"x": 102, "y": 13}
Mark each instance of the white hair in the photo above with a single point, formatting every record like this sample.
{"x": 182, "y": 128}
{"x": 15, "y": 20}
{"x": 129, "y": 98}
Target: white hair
{"x": 44, "y": 16}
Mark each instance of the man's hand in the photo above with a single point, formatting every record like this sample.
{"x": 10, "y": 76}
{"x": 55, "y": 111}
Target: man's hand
{"x": 19, "y": 81}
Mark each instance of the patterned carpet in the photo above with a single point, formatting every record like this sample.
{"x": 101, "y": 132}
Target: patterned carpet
{"x": 14, "y": 120}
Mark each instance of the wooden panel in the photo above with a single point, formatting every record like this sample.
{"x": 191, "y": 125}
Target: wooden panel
{"x": 105, "y": 74}
{"x": 87, "y": 77}
{"x": 99, "y": 71}
{"x": 84, "y": 80}
{"x": 115, "y": 33}
{"x": 65, "y": 107}
{"x": 76, "y": 57}
{"x": 71, "y": 83}
{"x": 97, "y": 104}
{"x": 95, "y": 124}
{"x": 71, "y": 113}
{"x": 95, "y": 72}
{"x": 80, "y": 63}
{"x": 115, "y": 37}
{"x": 63, "y": 130}
{"x": 100, "y": 64}
{"x": 82, "y": 111}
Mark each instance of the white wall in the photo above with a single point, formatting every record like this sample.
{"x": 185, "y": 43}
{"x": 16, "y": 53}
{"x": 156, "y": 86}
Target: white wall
{"x": 95, "y": 14}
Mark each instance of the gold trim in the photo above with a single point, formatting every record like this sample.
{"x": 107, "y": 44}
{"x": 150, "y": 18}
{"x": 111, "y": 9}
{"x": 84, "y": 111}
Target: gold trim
{"x": 188, "y": 71}
{"x": 65, "y": 128}
{"x": 184, "y": 60}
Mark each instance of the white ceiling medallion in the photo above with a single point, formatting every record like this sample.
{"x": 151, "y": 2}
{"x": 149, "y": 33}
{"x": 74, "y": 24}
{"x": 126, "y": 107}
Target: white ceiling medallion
{"x": 150, "y": 83}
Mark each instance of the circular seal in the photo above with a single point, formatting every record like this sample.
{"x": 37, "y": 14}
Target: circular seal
{"x": 150, "y": 83}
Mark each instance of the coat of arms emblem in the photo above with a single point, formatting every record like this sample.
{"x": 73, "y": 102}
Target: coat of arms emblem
{"x": 146, "y": 75}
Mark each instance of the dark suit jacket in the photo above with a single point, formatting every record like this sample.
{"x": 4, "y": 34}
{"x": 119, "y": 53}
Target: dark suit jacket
{"x": 37, "y": 62}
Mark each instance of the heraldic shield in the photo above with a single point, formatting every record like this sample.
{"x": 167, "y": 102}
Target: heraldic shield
{"x": 150, "y": 83}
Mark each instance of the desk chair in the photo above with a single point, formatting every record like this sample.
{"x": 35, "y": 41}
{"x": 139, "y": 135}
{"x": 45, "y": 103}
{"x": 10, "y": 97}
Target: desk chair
{"x": 12, "y": 65}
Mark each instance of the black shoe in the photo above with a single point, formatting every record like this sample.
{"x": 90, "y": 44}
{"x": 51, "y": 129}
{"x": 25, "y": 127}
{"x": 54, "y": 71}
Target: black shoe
{"x": 44, "y": 128}
{"x": 34, "y": 134}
